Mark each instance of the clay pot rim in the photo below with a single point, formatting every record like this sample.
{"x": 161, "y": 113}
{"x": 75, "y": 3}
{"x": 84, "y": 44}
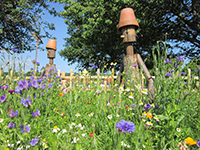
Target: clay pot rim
{"x": 123, "y": 22}
{"x": 51, "y": 44}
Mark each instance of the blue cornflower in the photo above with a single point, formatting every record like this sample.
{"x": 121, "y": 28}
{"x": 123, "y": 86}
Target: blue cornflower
{"x": 3, "y": 98}
{"x": 147, "y": 107}
{"x": 135, "y": 65}
{"x": 196, "y": 70}
{"x": 33, "y": 142}
{"x": 133, "y": 105}
{"x": 94, "y": 66}
{"x": 198, "y": 142}
{"x": 12, "y": 113}
{"x": 32, "y": 78}
{"x": 35, "y": 114}
{"x": 27, "y": 128}
{"x": 39, "y": 80}
{"x": 10, "y": 125}
{"x": 168, "y": 74}
{"x": 34, "y": 84}
{"x": 50, "y": 85}
{"x": 91, "y": 64}
{"x": 14, "y": 50}
{"x": 125, "y": 126}
{"x": 167, "y": 60}
{"x": 26, "y": 102}
{"x": 183, "y": 72}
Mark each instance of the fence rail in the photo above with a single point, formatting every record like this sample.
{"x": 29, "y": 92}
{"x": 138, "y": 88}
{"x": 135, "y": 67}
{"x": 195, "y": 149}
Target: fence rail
{"x": 108, "y": 79}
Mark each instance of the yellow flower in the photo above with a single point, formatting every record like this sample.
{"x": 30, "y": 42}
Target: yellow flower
{"x": 7, "y": 148}
{"x": 55, "y": 127}
{"x": 61, "y": 94}
{"x": 190, "y": 141}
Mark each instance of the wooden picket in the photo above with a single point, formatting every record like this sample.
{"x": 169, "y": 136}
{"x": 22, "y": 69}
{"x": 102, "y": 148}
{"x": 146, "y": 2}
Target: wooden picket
{"x": 108, "y": 80}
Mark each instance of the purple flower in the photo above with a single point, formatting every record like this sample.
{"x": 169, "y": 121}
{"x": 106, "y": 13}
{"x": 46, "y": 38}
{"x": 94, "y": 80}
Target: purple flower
{"x": 133, "y": 105}
{"x": 4, "y": 87}
{"x": 27, "y": 128}
{"x": 91, "y": 64}
{"x": 12, "y": 113}
{"x": 38, "y": 63}
{"x": 181, "y": 59}
{"x": 10, "y": 125}
{"x": 50, "y": 85}
{"x": 98, "y": 91}
{"x": 3, "y": 98}
{"x": 14, "y": 50}
{"x": 172, "y": 70}
{"x": 35, "y": 114}
{"x": 11, "y": 91}
{"x": 196, "y": 70}
{"x": 34, "y": 141}
{"x": 147, "y": 106}
{"x": 198, "y": 142}
{"x": 183, "y": 72}
{"x": 185, "y": 82}
{"x": 135, "y": 65}
{"x": 34, "y": 84}
{"x": 125, "y": 126}
{"x": 94, "y": 66}
{"x": 168, "y": 74}
{"x": 33, "y": 61}
{"x": 167, "y": 60}
{"x": 26, "y": 102}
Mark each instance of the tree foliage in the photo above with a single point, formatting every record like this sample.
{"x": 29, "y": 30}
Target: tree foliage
{"x": 94, "y": 38}
{"x": 18, "y": 18}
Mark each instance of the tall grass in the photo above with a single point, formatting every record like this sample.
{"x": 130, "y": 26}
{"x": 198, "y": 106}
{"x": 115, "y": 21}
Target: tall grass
{"x": 85, "y": 117}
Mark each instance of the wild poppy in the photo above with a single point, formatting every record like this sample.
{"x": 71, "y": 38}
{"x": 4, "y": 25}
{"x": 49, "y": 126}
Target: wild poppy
{"x": 190, "y": 141}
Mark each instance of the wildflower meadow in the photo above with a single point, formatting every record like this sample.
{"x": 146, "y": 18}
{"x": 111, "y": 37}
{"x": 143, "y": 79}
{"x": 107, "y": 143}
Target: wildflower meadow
{"x": 42, "y": 113}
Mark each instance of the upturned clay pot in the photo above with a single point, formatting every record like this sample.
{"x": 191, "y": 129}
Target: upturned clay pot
{"x": 127, "y": 17}
{"x": 51, "y": 44}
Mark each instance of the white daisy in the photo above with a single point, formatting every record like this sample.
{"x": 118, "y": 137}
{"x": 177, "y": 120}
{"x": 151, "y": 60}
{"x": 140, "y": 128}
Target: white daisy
{"x": 1, "y": 120}
{"x": 109, "y": 116}
{"x": 178, "y": 129}
{"x": 77, "y": 115}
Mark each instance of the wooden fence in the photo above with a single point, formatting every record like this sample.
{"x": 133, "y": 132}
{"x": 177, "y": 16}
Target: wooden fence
{"x": 106, "y": 79}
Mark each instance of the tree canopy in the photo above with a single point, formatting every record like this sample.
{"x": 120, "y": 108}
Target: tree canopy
{"x": 94, "y": 38}
{"x": 18, "y": 18}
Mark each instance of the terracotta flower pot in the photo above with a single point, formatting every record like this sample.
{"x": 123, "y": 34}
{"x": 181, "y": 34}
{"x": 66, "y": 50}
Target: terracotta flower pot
{"x": 51, "y": 44}
{"x": 127, "y": 17}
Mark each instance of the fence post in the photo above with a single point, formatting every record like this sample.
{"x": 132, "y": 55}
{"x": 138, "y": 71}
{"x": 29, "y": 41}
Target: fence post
{"x": 189, "y": 76}
{"x": 98, "y": 76}
{"x": 71, "y": 74}
{"x": 11, "y": 74}
{"x": 105, "y": 86}
{"x": 58, "y": 72}
{"x": 62, "y": 79}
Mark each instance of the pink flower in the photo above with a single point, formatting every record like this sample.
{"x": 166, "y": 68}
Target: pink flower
{"x": 109, "y": 104}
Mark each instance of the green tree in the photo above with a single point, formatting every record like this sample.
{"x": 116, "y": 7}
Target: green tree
{"x": 94, "y": 38}
{"x": 20, "y": 17}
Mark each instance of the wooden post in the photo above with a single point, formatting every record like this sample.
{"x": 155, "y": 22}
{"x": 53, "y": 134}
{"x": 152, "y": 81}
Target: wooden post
{"x": 62, "y": 79}
{"x": 71, "y": 74}
{"x": 105, "y": 87}
{"x": 58, "y": 72}
{"x": 189, "y": 76}
{"x": 98, "y": 77}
